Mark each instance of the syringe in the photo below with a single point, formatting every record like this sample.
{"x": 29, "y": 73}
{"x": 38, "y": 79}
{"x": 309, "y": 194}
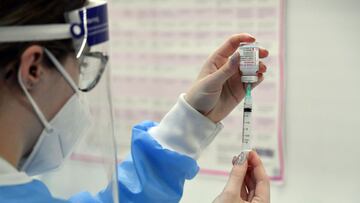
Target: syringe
{"x": 249, "y": 67}
{"x": 246, "y": 135}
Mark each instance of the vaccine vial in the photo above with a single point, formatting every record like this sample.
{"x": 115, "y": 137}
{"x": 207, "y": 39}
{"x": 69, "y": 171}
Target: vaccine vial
{"x": 249, "y": 62}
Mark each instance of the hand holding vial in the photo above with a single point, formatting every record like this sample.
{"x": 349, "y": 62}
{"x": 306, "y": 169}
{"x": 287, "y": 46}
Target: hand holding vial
{"x": 218, "y": 88}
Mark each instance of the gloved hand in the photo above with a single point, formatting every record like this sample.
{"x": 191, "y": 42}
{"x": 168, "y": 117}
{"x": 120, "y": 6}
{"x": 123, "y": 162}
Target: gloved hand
{"x": 248, "y": 183}
{"x": 218, "y": 88}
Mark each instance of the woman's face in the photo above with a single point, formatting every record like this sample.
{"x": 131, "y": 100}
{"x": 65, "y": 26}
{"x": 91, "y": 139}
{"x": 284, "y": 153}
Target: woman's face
{"x": 47, "y": 87}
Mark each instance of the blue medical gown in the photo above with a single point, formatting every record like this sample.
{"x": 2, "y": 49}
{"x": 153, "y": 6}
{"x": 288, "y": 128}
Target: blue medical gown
{"x": 150, "y": 174}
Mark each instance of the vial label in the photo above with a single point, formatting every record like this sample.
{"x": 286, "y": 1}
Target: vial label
{"x": 249, "y": 60}
{"x": 248, "y": 56}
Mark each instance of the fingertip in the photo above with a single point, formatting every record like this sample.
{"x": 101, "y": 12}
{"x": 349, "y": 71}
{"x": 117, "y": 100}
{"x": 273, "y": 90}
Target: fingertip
{"x": 233, "y": 160}
{"x": 247, "y": 37}
{"x": 241, "y": 158}
{"x": 239, "y": 169}
{"x": 253, "y": 154}
{"x": 254, "y": 159}
{"x": 262, "y": 67}
{"x": 263, "y": 53}
{"x": 250, "y": 35}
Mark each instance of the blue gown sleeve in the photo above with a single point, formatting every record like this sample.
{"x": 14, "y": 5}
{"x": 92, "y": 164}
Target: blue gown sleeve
{"x": 151, "y": 173}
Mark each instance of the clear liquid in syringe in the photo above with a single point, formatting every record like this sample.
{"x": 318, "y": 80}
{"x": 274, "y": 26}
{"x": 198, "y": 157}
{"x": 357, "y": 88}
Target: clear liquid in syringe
{"x": 246, "y": 135}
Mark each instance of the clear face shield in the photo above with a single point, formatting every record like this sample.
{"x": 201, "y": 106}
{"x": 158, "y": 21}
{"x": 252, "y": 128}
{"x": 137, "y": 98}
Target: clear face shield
{"x": 89, "y": 164}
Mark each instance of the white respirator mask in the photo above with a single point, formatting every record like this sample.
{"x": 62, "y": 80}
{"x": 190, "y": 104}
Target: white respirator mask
{"x": 60, "y": 134}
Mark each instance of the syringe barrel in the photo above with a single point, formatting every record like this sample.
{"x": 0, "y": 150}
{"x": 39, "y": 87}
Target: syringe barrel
{"x": 246, "y": 137}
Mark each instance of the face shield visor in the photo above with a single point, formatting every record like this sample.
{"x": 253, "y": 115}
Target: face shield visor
{"x": 90, "y": 164}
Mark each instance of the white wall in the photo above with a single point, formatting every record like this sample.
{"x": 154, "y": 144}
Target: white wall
{"x": 322, "y": 107}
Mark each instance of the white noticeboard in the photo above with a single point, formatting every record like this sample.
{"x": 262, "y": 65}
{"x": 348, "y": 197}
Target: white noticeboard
{"x": 158, "y": 47}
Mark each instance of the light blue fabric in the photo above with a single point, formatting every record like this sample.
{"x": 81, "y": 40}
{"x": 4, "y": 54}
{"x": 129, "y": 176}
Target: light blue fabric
{"x": 150, "y": 174}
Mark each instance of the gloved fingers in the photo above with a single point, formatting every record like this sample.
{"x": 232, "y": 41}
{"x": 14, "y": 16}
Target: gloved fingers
{"x": 259, "y": 177}
{"x": 236, "y": 178}
{"x": 229, "y": 69}
{"x": 262, "y": 67}
{"x": 250, "y": 186}
{"x": 244, "y": 192}
{"x": 263, "y": 53}
{"x": 221, "y": 55}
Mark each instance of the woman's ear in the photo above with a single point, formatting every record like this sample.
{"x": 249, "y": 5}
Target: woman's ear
{"x": 30, "y": 66}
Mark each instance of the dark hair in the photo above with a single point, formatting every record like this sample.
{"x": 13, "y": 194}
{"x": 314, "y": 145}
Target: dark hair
{"x": 33, "y": 12}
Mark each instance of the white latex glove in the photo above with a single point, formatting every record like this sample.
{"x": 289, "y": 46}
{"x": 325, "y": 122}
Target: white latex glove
{"x": 218, "y": 88}
{"x": 248, "y": 183}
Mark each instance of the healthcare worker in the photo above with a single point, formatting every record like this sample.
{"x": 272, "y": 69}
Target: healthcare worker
{"x": 56, "y": 113}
